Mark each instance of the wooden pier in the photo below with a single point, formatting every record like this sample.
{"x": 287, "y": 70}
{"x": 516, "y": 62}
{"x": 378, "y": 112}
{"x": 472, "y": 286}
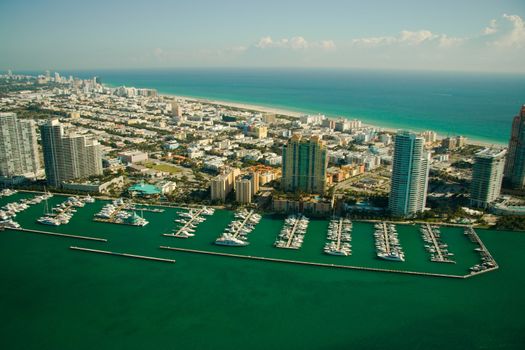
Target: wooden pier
{"x": 297, "y": 262}
{"x": 133, "y": 256}
{"x": 60, "y": 234}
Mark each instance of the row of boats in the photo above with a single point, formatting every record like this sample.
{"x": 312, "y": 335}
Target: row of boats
{"x": 9, "y": 211}
{"x": 437, "y": 249}
{"x": 117, "y": 212}
{"x": 188, "y": 221}
{"x": 236, "y": 234}
{"x": 62, "y": 213}
{"x": 293, "y": 231}
{"x": 387, "y": 242}
{"x": 6, "y": 192}
{"x": 487, "y": 261}
{"x": 339, "y": 236}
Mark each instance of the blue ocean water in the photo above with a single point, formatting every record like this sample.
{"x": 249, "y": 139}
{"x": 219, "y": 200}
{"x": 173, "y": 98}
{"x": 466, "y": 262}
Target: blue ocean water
{"x": 479, "y": 106}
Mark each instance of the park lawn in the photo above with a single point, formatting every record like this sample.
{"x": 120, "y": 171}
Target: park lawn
{"x": 163, "y": 167}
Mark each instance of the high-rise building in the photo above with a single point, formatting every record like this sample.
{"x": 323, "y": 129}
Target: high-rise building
{"x": 409, "y": 175}
{"x": 68, "y": 157}
{"x": 222, "y": 184}
{"x": 244, "y": 190}
{"x": 515, "y": 166}
{"x": 18, "y": 146}
{"x": 487, "y": 176}
{"x": 304, "y": 165}
{"x": 246, "y": 187}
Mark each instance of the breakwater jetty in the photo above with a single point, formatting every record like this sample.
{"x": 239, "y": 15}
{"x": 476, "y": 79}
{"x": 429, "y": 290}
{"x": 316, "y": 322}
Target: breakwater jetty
{"x": 127, "y": 255}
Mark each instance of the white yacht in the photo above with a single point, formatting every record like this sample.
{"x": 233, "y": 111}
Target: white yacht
{"x": 228, "y": 240}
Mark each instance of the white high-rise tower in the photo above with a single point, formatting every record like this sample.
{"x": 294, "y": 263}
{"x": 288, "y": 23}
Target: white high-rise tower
{"x": 411, "y": 162}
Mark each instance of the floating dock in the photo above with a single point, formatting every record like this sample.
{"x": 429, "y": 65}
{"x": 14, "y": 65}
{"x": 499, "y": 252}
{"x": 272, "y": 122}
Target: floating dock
{"x": 133, "y": 256}
{"x": 60, "y": 234}
{"x": 297, "y": 262}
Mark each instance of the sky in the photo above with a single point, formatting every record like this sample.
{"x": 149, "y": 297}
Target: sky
{"x": 452, "y": 35}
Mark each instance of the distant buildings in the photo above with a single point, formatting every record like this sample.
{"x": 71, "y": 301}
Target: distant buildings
{"x": 430, "y": 136}
{"x": 487, "y": 176}
{"x": 451, "y": 143}
{"x": 68, "y": 157}
{"x": 257, "y": 131}
{"x": 18, "y": 147}
{"x": 515, "y": 166}
{"x": 409, "y": 175}
{"x": 132, "y": 157}
{"x": 304, "y": 165}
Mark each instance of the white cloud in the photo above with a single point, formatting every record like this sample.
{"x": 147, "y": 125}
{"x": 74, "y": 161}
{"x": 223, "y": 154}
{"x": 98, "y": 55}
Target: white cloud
{"x": 491, "y": 28}
{"x": 512, "y": 33}
{"x": 327, "y": 44}
{"x": 416, "y": 38}
{"x": 298, "y": 42}
{"x": 446, "y": 41}
{"x": 294, "y": 43}
{"x": 409, "y": 38}
{"x": 265, "y": 42}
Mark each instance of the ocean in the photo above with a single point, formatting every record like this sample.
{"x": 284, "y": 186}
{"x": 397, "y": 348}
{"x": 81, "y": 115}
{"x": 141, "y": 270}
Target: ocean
{"x": 54, "y": 298}
{"x": 479, "y": 106}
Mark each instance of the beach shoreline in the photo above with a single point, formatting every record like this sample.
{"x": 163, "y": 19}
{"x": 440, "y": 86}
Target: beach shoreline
{"x": 297, "y": 114}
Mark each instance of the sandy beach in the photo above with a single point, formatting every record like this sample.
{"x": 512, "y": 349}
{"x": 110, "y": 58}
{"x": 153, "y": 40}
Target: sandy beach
{"x": 296, "y": 114}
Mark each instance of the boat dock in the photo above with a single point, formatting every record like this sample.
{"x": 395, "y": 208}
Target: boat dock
{"x": 242, "y": 224}
{"x": 151, "y": 258}
{"x": 384, "y": 229}
{"x": 60, "y": 234}
{"x": 183, "y": 228}
{"x": 438, "y": 253}
{"x": 488, "y": 262}
{"x": 387, "y": 242}
{"x": 339, "y": 237}
{"x": 298, "y": 262}
{"x": 292, "y": 235}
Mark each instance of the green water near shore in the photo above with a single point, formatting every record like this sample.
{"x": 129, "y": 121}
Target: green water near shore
{"x": 52, "y": 297}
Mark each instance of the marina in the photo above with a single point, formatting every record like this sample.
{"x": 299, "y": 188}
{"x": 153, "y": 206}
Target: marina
{"x": 116, "y": 212}
{"x": 9, "y": 210}
{"x": 387, "y": 242}
{"x": 292, "y": 233}
{"x": 342, "y": 236}
{"x": 127, "y": 255}
{"x": 188, "y": 222}
{"x": 62, "y": 213}
{"x": 339, "y": 237}
{"x": 435, "y": 247}
{"x": 235, "y": 235}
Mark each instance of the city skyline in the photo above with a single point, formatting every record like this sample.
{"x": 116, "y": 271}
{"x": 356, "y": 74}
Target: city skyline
{"x": 377, "y": 35}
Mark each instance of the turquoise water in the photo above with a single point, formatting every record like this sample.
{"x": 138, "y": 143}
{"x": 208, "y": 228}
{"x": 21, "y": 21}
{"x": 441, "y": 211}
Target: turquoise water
{"x": 480, "y": 106}
{"x": 52, "y": 297}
